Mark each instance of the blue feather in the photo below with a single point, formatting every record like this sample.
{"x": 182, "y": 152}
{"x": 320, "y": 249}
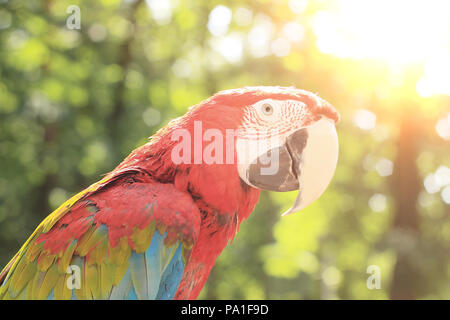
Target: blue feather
{"x": 148, "y": 277}
{"x": 51, "y": 295}
{"x": 121, "y": 291}
{"x": 131, "y": 295}
{"x": 153, "y": 259}
{"x": 171, "y": 277}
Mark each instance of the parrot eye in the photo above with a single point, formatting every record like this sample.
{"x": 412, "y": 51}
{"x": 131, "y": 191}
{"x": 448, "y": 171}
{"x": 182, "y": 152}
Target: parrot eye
{"x": 267, "y": 109}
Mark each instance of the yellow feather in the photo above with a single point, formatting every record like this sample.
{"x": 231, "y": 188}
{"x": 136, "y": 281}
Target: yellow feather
{"x": 82, "y": 247}
{"x": 61, "y": 291}
{"x": 64, "y": 261}
{"x": 98, "y": 254}
{"x": 48, "y": 283}
{"x": 20, "y": 279}
{"x": 167, "y": 255}
{"x": 162, "y": 228}
{"x": 106, "y": 279}
{"x": 138, "y": 275}
{"x": 91, "y": 239}
{"x": 7, "y": 296}
{"x": 35, "y": 286}
{"x": 34, "y": 250}
{"x": 185, "y": 254}
{"x": 121, "y": 252}
{"x": 120, "y": 272}
{"x": 45, "y": 260}
{"x": 22, "y": 295}
{"x": 15, "y": 276}
{"x": 49, "y": 222}
{"x": 92, "y": 282}
{"x": 143, "y": 237}
{"x": 45, "y": 226}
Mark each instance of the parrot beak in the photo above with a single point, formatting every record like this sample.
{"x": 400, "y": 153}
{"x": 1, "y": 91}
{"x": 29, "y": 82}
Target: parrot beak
{"x": 305, "y": 161}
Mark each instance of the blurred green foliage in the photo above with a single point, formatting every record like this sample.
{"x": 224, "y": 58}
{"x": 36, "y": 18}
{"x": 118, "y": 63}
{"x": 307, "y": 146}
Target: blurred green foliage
{"x": 74, "y": 103}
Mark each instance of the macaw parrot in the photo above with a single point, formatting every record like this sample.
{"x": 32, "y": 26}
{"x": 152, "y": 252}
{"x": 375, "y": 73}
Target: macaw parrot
{"x": 154, "y": 226}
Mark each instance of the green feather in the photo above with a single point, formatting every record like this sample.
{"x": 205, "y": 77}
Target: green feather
{"x": 50, "y": 279}
{"x": 20, "y": 279}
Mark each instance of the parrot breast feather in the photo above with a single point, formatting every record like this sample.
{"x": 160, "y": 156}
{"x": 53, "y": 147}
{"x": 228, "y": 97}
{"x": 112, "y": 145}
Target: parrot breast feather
{"x": 129, "y": 239}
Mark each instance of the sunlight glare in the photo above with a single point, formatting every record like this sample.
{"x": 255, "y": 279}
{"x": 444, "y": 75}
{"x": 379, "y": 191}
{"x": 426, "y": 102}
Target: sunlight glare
{"x": 399, "y": 31}
{"x": 436, "y": 79}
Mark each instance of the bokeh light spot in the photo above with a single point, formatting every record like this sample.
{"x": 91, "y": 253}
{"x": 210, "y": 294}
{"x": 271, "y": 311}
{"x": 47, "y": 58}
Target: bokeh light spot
{"x": 365, "y": 119}
{"x": 378, "y": 202}
{"x": 219, "y": 20}
{"x": 151, "y": 117}
{"x": 443, "y": 127}
{"x": 384, "y": 167}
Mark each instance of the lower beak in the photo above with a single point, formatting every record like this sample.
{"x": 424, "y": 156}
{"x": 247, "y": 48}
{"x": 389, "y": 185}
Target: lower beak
{"x": 306, "y": 161}
{"x": 285, "y": 160}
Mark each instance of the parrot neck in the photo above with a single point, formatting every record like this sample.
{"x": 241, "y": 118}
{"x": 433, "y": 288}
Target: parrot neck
{"x": 222, "y": 198}
{"x": 217, "y": 185}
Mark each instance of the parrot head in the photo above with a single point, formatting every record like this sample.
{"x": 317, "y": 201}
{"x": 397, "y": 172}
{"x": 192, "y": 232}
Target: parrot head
{"x": 288, "y": 141}
{"x": 251, "y": 138}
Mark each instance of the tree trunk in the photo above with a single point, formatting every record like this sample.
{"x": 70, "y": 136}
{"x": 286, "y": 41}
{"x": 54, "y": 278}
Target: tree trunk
{"x": 406, "y": 186}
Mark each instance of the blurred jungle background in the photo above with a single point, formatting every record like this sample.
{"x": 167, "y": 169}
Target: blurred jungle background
{"x": 74, "y": 102}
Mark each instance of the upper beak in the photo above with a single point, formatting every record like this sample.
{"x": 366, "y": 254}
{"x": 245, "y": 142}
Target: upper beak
{"x": 306, "y": 161}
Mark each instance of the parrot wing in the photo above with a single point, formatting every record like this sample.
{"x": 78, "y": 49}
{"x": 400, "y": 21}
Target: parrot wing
{"x": 122, "y": 238}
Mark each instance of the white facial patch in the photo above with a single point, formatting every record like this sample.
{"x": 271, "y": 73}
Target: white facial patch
{"x": 263, "y": 131}
{"x": 250, "y": 151}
